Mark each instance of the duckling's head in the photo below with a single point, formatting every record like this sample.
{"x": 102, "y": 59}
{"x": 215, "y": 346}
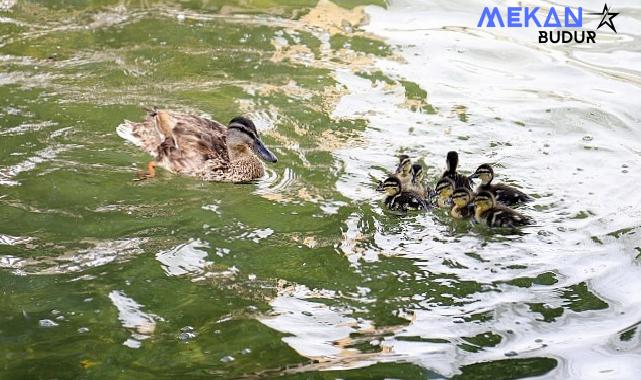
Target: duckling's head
{"x": 417, "y": 173}
{"x": 404, "y": 164}
{"x": 391, "y": 186}
{"x": 461, "y": 197}
{"x": 451, "y": 161}
{"x": 483, "y": 201}
{"x": 485, "y": 173}
{"x": 242, "y": 137}
{"x": 444, "y": 188}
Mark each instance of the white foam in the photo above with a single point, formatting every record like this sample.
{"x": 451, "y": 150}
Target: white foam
{"x": 183, "y": 259}
{"x": 132, "y": 317}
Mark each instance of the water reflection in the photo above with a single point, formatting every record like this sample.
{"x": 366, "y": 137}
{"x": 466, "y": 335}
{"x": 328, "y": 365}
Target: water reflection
{"x": 132, "y": 317}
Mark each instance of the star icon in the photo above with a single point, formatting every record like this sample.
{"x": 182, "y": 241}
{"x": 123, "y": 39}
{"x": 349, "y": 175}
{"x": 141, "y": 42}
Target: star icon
{"x": 607, "y": 18}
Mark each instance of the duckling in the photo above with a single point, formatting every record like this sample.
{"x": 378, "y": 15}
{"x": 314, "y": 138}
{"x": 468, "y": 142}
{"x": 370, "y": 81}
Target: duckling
{"x": 462, "y": 208}
{"x": 196, "y": 146}
{"x": 443, "y": 191}
{"x": 460, "y": 180}
{"x": 404, "y": 171}
{"x": 401, "y": 200}
{"x": 418, "y": 184}
{"x": 504, "y": 194}
{"x": 488, "y": 213}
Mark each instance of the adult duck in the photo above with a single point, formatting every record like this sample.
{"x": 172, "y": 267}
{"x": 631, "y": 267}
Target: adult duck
{"x": 197, "y": 146}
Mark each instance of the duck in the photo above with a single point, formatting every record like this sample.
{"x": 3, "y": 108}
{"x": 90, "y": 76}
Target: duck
{"x": 460, "y": 180}
{"x": 404, "y": 171}
{"x": 462, "y": 208}
{"x": 418, "y": 184}
{"x": 488, "y": 213}
{"x": 443, "y": 192}
{"x": 400, "y": 200}
{"x": 503, "y": 194}
{"x": 196, "y": 146}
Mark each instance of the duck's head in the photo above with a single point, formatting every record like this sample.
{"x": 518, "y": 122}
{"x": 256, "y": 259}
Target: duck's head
{"x": 404, "y": 164}
{"x": 461, "y": 196}
{"x": 451, "y": 161}
{"x": 485, "y": 173}
{"x": 417, "y": 173}
{"x": 444, "y": 189}
{"x": 391, "y": 186}
{"x": 242, "y": 137}
{"x": 483, "y": 201}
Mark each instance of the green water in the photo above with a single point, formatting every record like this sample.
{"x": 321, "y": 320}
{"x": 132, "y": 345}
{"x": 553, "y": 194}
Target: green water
{"x": 80, "y": 231}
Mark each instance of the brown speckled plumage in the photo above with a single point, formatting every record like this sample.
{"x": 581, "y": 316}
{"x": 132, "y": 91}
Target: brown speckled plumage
{"x": 194, "y": 146}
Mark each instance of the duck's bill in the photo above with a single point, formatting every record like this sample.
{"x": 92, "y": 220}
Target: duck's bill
{"x": 472, "y": 176}
{"x": 263, "y": 152}
{"x": 380, "y": 187}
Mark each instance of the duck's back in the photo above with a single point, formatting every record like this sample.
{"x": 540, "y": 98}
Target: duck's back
{"x": 406, "y": 200}
{"x": 500, "y": 216}
{"x": 189, "y": 145}
{"x": 460, "y": 180}
{"x": 505, "y": 194}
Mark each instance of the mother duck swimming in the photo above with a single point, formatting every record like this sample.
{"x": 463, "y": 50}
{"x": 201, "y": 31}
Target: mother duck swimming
{"x": 196, "y": 146}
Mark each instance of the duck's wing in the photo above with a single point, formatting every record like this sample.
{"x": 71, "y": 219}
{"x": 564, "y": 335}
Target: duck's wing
{"x": 181, "y": 143}
{"x": 506, "y": 217}
{"x": 460, "y": 180}
{"x": 200, "y": 146}
{"x": 412, "y": 201}
{"x": 509, "y": 195}
{"x": 390, "y": 202}
{"x": 463, "y": 181}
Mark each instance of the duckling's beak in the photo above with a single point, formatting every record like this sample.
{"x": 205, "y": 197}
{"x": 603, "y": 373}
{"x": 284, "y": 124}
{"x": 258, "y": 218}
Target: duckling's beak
{"x": 380, "y": 187}
{"x": 431, "y": 194}
{"x": 262, "y": 151}
{"x": 474, "y": 175}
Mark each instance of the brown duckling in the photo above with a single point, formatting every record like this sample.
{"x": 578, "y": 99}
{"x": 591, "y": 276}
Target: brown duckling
{"x": 462, "y": 208}
{"x": 400, "y": 200}
{"x": 418, "y": 184}
{"x": 404, "y": 171}
{"x": 443, "y": 192}
{"x": 503, "y": 194}
{"x": 488, "y": 213}
{"x": 459, "y": 179}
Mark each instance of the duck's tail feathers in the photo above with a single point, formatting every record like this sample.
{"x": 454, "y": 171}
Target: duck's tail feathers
{"x": 126, "y": 131}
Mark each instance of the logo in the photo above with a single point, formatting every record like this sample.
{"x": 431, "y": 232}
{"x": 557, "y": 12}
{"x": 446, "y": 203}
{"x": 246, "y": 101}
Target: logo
{"x": 607, "y": 18}
{"x": 567, "y": 20}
